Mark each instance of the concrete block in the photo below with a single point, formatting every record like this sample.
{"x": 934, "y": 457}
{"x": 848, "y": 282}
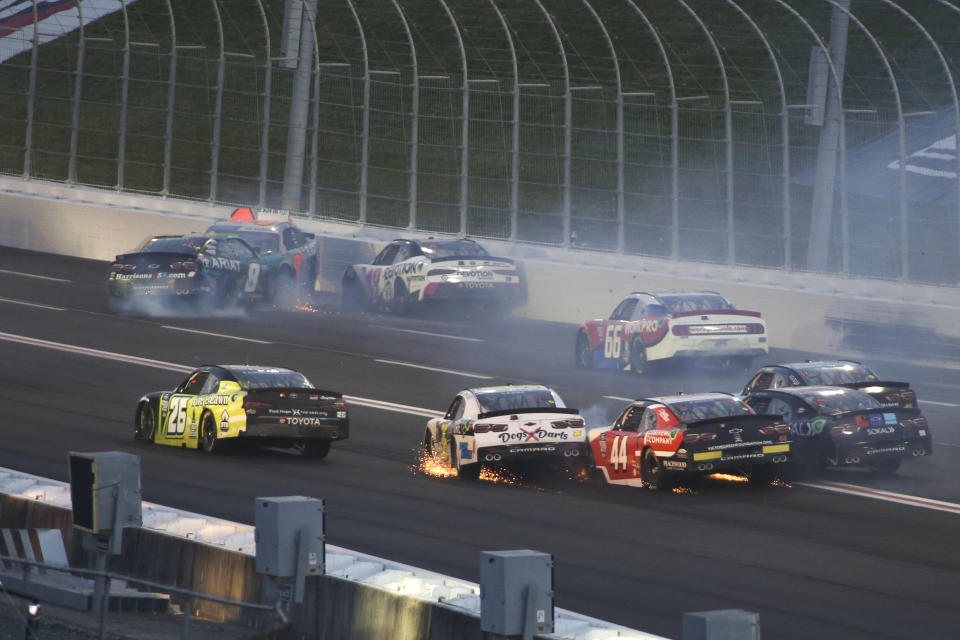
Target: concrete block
{"x": 726, "y": 624}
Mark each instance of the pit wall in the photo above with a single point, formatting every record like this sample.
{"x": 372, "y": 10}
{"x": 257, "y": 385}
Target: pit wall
{"x": 804, "y": 311}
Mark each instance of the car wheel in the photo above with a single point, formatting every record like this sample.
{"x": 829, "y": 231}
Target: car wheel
{"x": 314, "y": 449}
{"x": 351, "y": 292}
{"x": 763, "y": 474}
{"x": 208, "y": 434}
{"x": 146, "y": 427}
{"x": 583, "y": 353}
{"x": 885, "y": 467}
{"x": 400, "y": 304}
{"x": 467, "y": 471}
{"x": 653, "y": 473}
{"x": 638, "y": 357}
{"x": 284, "y": 291}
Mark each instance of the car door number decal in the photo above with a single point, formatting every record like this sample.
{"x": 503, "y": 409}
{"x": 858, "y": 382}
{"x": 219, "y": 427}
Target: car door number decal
{"x": 177, "y": 418}
{"x": 253, "y": 275}
{"x": 618, "y": 453}
{"x": 611, "y": 342}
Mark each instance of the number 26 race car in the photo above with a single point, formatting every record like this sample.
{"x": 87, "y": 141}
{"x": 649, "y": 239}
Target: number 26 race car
{"x": 218, "y": 406}
{"x": 646, "y": 327}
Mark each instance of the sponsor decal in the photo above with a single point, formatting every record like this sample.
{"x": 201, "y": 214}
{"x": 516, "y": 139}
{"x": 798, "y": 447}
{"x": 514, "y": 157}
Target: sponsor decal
{"x": 465, "y": 452}
{"x": 878, "y": 430}
{"x": 738, "y": 445}
{"x": 744, "y": 456}
{"x": 876, "y": 420}
{"x": 674, "y": 464}
{"x": 224, "y": 420}
{"x": 659, "y": 437}
{"x": 737, "y": 434}
{"x": 890, "y": 418}
{"x": 404, "y": 268}
{"x": 603, "y": 444}
{"x": 899, "y": 449}
{"x": 863, "y": 421}
{"x": 478, "y": 285}
{"x": 534, "y": 435}
{"x": 817, "y": 425}
{"x": 218, "y": 399}
{"x": 307, "y": 422}
{"x": 478, "y": 274}
{"x": 222, "y": 264}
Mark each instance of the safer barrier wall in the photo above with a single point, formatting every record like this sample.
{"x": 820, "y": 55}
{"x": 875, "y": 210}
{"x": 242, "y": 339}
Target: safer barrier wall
{"x": 809, "y": 312}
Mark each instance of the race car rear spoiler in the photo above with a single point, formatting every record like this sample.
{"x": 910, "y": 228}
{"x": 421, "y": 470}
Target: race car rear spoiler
{"x": 508, "y": 412}
{"x": 871, "y": 383}
{"x": 752, "y": 420}
{"x": 491, "y": 258}
{"x": 323, "y": 395}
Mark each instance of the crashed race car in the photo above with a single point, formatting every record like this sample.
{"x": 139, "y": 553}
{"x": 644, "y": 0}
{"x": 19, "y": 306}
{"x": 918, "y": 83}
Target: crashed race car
{"x": 657, "y": 441}
{"x": 216, "y": 407}
{"x": 840, "y": 373}
{"x": 290, "y": 253}
{"x": 506, "y": 426}
{"x": 842, "y": 427}
{"x": 408, "y": 273}
{"x": 207, "y": 272}
{"x": 647, "y": 327}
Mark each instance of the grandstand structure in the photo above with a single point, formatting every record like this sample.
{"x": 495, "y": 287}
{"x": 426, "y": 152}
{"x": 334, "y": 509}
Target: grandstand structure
{"x": 813, "y": 135}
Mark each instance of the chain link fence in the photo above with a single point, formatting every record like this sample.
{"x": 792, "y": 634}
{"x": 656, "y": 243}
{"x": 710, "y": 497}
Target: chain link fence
{"x": 811, "y": 135}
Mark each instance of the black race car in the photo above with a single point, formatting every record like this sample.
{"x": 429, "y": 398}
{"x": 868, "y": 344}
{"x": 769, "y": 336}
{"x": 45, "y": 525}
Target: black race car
{"x": 839, "y": 426}
{"x": 218, "y": 406}
{"x": 211, "y": 271}
{"x": 840, "y": 373}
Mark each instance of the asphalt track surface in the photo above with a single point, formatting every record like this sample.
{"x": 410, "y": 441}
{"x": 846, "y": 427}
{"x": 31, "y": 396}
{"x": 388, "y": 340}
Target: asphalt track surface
{"x": 813, "y": 563}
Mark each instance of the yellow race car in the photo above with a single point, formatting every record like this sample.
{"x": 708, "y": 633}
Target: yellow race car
{"x": 218, "y": 406}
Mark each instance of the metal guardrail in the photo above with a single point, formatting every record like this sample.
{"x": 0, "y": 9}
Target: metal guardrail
{"x": 107, "y": 576}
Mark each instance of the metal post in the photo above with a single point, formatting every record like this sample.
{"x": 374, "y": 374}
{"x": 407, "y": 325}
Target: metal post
{"x": 171, "y": 97}
{"x": 124, "y": 91}
{"x": 464, "y": 120}
{"x": 218, "y": 107}
{"x": 187, "y": 609}
{"x": 674, "y": 135}
{"x": 77, "y": 92}
{"x": 299, "y": 110}
{"x": 414, "y": 120}
{"x": 822, "y": 208}
{"x": 31, "y": 94}
{"x": 365, "y": 132}
{"x": 267, "y": 98}
{"x": 515, "y": 127}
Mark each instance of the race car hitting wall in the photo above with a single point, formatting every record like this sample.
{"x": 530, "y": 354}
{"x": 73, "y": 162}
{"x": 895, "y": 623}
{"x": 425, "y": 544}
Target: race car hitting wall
{"x": 506, "y": 426}
{"x": 211, "y": 271}
{"x": 837, "y": 427}
{"x": 218, "y": 406}
{"x": 840, "y": 373}
{"x": 291, "y": 253}
{"x": 408, "y": 272}
{"x": 647, "y": 327}
{"x": 656, "y": 441}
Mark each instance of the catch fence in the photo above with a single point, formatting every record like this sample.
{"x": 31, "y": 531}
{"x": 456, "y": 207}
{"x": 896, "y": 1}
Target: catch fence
{"x": 811, "y": 135}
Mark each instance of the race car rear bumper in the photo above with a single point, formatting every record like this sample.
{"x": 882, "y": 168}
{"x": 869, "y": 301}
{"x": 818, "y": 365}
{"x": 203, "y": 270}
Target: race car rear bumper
{"x": 505, "y": 291}
{"x": 729, "y": 459}
{"x": 870, "y": 453}
{"x": 507, "y": 454}
{"x": 327, "y": 430}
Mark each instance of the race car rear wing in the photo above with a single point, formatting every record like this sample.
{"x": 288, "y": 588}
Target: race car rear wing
{"x": 475, "y": 258}
{"x": 746, "y": 420}
{"x": 860, "y": 386}
{"x": 296, "y": 393}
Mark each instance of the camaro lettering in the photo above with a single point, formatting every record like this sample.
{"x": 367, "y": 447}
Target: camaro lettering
{"x": 533, "y": 449}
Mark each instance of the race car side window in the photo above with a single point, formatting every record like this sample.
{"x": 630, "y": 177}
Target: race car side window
{"x": 779, "y": 380}
{"x": 624, "y": 310}
{"x": 781, "y": 408}
{"x": 761, "y": 381}
{"x": 194, "y": 383}
{"x": 760, "y": 404}
{"x": 649, "y": 421}
{"x": 403, "y": 253}
{"x": 631, "y": 419}
{"x": 386, "y": 256}
{"x": 455, "y": 412}
{"x": 211, "y": 385}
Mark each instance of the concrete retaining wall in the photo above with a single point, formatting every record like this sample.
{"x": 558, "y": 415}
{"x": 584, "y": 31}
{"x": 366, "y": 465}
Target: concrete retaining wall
{"x": 809, "y": 312}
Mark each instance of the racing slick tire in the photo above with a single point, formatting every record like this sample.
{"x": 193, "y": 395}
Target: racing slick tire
{"x": 351, "y": 292}
{"x": 582, "y": 354}
{"x": 146, "y": 424}
{"x": 469, "y": 472}
{"x": 208, "y": 435}
{"x": 885, "y": 467}
{"x": 638, "y": 357}
{"x": 283, "y": 290}
{"x": 653, "y": 474}
{"x": 313, "y": 449}
{"x": 400, "y": 304}
{"x": 762, "y": 475}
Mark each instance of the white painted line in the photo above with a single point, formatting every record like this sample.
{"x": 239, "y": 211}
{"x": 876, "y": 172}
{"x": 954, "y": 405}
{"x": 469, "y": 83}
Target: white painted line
{"x": 888, "y": 496}
{"x": 170, "y": 366}
{"x": 620, "y": 398}
{"x": 97, "y": 353}
{"x": 941, "y": 404}
{"x": 945, "y": 444}
{"x": 450, "y": 371}
{"x": 32, "y": 275}
{"x": 216, "y": 335}
{"x": 30, "y": 304}
{"x": 427, "y": 333}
